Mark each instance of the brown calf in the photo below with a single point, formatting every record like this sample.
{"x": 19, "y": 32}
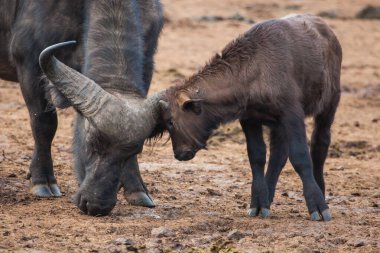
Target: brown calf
{"x": 275, "y": 74}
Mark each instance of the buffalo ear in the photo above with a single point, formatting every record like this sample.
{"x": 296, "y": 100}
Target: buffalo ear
{"x": 193, "y": 105}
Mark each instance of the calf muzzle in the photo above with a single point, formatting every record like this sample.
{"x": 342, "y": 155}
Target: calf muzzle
{"x": 184, "y": 155}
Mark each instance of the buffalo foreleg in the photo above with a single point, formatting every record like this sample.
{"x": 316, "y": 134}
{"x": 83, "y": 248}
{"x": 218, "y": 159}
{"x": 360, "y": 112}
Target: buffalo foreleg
{"x": 135, "y": 190}
{"x": 43, "y": 119}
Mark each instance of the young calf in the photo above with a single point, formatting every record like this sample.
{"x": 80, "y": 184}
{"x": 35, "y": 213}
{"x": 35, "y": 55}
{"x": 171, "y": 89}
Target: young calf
{"x": 275, "y": 74}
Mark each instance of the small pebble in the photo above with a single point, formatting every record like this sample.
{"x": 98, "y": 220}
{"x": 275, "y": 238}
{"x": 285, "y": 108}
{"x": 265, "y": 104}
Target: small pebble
{"x": 359, "y": 243}
{"x": 123, "y": 241}
{"x": 162, "y": 232}
{"x": 235, "y": 235}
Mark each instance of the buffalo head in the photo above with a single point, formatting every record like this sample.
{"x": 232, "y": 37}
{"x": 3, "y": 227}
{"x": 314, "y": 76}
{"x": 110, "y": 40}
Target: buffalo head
{"x": 114, "y": 127}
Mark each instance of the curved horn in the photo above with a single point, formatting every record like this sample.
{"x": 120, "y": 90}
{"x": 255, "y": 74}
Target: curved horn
{"x": 83, "y": 93}
{"x": 123, "y": 119}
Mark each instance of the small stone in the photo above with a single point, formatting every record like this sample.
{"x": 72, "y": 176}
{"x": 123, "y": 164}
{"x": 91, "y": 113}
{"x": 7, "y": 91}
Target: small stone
{"x": 359, "y": 243}
{"x": 328, "y": 14}
{"x": 356, "y": 124}
{"x": 131, "y": 248}
{"x": 213, "y": 192}
{"x": 28, "y": 245}
{"x": 369, "y": 12}
{"x": 235, "y": 235}
{"x": 123, "y": 241}
{"x": 305, "y": 249}
{"x": 210, "y": 18}
{"x": 26, "y": 238}
{"x": 153, "y": 246}
{"x": 237, "y": 17}
{"x": 162, "y": 232}
{"x": 187, "y": 231}
{"x": 339, "y": 241}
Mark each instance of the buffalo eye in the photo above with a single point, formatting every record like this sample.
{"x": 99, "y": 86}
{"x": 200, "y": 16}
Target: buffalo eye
{"x": 170, "y": 124}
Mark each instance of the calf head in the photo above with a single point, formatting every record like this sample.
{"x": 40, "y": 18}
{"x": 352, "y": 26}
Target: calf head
{"x": 188, "y": 122}
{"x": 110, "y": 130}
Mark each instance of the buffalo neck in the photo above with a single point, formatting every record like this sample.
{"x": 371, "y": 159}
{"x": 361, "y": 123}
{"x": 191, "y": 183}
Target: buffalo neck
{"x": 113, "y": 53}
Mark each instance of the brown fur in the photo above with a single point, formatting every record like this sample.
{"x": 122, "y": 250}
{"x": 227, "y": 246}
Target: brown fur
{"x": 275, "y": 74}
{"x": 269, "y": 70}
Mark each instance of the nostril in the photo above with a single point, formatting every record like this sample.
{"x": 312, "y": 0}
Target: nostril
{"x": 99, "y": 210}
{"x": 80, "y": 202}
{"x": 184, "y": 155}
{"x": 94, "y": 207}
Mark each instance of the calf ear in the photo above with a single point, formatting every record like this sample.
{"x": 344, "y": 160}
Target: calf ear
{"x": 193, "y": 105}
{"x": 189, "y": 104}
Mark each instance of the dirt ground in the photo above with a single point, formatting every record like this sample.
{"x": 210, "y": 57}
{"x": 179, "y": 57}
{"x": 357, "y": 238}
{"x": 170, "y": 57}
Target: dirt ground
{"x": 202, "y": 204}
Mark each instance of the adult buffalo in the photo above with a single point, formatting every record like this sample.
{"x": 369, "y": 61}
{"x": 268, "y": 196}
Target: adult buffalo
{"x": 116, "y": 41}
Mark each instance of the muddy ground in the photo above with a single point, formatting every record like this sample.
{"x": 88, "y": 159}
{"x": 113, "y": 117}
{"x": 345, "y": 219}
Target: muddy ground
{"x": 201, "y": 204}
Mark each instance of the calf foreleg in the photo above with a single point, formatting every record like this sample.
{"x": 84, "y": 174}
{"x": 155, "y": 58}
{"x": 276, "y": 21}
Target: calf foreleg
{"x": 257, "y": 157}
{"x": 279, "y": 151}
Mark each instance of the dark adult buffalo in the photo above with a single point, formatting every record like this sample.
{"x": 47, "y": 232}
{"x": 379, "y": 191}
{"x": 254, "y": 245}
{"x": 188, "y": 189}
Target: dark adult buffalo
{"x": 275, "y": 74}
{"x": 116, "y": 41}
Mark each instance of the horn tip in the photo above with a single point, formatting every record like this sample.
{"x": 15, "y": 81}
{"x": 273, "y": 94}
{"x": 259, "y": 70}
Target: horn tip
{"x": 48, "y": 52}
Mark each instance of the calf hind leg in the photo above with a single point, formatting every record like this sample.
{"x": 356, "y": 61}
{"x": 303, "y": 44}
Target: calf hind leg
{"x": 257, "y": 156}
{"x": 320, "y": 142}
{"x": 300, "y": 158}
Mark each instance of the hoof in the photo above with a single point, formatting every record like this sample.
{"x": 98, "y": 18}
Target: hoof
{"x": 139, "y": 199}
{"x": 41, "y": 190}
{"x": 315, "y": 216}
{"x": 55, "y": 190}
{"x": 264, "y": 213}
{"x": 252, "y": 212}
{"x": 326, "y": 215}
{"x": 45, "y": 190}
